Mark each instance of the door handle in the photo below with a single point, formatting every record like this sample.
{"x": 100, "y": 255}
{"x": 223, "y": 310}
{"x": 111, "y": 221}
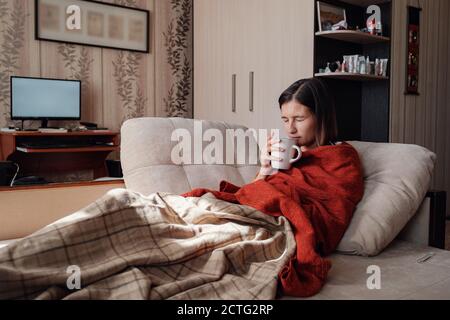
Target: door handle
{"x": 251, "y": 90}
{"x": 233, "y": 93}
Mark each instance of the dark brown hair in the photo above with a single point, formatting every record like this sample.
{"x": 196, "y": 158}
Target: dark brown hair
{"x": 315, "y": 94}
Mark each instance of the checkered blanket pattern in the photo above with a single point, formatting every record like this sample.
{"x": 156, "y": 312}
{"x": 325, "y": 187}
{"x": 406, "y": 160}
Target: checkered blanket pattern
{"x": 162, "y": 246}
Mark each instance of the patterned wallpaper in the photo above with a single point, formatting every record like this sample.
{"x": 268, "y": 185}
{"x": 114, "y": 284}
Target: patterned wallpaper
{"x": 117, "y": 85}
{"x": 178, "y": 44}
{"x": 12, "y": 38}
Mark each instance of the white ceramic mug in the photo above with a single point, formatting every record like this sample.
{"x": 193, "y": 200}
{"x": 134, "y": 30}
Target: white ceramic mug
{"x": 289, "y": 145}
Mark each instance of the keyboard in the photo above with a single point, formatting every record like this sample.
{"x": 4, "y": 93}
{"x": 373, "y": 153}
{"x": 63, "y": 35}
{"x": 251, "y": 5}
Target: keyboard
{"x": 63, "y": 145}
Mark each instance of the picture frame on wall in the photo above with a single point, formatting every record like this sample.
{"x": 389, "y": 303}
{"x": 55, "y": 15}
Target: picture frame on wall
{"x": 93, "y": 23}
{"x": 328, "y": 15}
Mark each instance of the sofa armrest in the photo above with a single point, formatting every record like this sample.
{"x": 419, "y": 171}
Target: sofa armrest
{"x": 427, "y": 227}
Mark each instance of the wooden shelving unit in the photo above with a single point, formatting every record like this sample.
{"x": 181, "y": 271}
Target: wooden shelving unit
{"x": 353, "y": 36}
{"x": 350, "y": 76}
{"x": 362, "y": 101}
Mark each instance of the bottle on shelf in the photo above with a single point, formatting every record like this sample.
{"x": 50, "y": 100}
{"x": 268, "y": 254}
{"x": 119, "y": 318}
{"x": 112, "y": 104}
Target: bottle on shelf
{"x": 368, "y": 65}
{"x": 379, "y": 29}
{"x": 362, "y": 65}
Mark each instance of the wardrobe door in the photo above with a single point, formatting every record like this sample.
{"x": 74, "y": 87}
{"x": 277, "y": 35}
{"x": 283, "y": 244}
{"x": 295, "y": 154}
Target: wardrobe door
{"x": 235, "y": 80}
{"x": 212, "y": 76}
{"x": 223, "y": 50}
{"x": 283, "y": 53}
{"x": 249, "y": 30}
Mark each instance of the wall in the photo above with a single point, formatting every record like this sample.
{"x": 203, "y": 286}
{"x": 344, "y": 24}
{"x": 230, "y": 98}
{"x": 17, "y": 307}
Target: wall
{"x": 424, "y": 119}
{"x": 117, "y": 85}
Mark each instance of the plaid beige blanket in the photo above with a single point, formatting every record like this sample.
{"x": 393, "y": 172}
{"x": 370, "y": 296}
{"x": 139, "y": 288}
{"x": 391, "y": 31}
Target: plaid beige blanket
{"x": 162, "y": 246}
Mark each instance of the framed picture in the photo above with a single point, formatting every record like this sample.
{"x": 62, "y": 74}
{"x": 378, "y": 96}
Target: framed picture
{"x": 329, "y": 15}
{"x": 93, "y": 23}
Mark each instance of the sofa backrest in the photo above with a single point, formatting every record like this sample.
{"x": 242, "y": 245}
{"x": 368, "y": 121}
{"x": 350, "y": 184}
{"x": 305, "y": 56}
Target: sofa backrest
{"x": 149, "y": 144}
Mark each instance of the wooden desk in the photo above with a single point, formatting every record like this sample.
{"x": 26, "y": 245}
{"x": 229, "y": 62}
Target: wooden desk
{"x": 35, "y": 161}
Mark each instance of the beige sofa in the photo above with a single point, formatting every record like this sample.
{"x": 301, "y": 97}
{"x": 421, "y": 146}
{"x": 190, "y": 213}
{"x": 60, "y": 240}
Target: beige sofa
{"x": 146, "y": 150}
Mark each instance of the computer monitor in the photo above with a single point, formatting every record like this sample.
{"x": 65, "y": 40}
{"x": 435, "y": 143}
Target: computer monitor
{"x": 45, "y": 99}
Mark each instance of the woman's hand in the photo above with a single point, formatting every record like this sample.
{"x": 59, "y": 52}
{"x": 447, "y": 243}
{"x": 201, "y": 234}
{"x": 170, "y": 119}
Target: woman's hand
{"x": 266, "y": 158}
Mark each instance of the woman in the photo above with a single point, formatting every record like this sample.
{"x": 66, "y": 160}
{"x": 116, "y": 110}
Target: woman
{"x": 317, "y": 195}
{"x": 309, "y": 117}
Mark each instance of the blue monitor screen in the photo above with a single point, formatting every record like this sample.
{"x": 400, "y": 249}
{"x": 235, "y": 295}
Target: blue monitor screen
{"x": 45, "y": 98}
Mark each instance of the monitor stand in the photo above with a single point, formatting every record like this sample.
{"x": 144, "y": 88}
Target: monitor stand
{"x": 44, "y": 125}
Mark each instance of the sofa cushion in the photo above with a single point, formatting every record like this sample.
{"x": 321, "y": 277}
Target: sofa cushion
{"x": 397, "y": 178}
{"x": 147, "y": 145}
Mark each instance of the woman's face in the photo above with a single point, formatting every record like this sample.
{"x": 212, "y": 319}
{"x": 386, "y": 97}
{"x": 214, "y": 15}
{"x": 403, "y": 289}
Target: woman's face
{"x": 300, "y": 124}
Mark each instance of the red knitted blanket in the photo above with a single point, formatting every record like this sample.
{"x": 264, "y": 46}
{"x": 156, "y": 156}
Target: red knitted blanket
{"x": 318, "y": 196}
